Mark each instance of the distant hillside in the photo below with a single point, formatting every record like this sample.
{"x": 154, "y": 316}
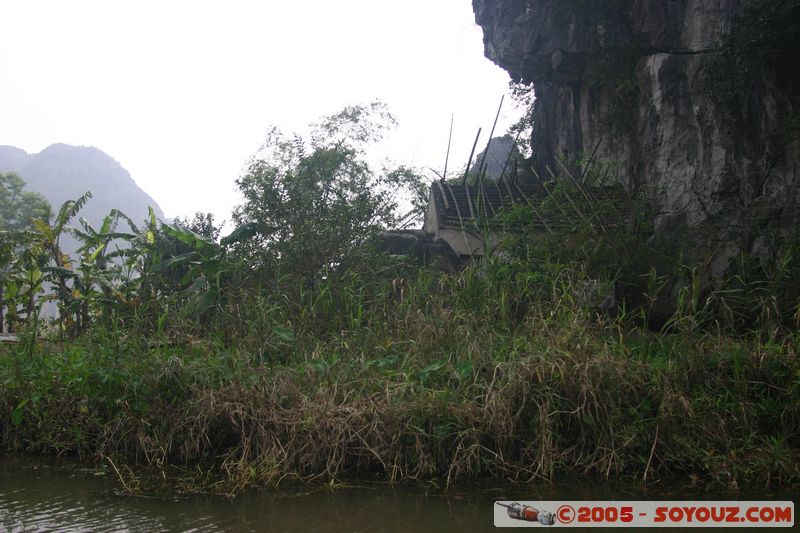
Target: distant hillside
{"x": 61, "y": 172}
{"x": 496, "y": 158}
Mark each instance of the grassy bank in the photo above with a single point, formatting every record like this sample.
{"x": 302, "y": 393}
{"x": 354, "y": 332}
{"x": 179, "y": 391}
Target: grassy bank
{"x": 293, "y": 348}
{"x": 414, "y": 376}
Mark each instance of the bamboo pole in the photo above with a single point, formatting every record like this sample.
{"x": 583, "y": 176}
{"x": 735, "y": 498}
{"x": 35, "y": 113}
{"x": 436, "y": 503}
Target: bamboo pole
{"x": 474, "y": 145}
{"x": 469, "y": 202}
{"x": 510, "y": 154}
{"x": 491, "y": 134}
{"x": 444, "y": 196}
{"x": 480, "y": 195}
{"x": 591, "y": 159}
{"x": 569, "y": 198}
{"x": 550, "y": 194}
{"x": 535, "y": 212}
{"x": 590, "y": 201}
{"x": 449, "y": 140}
{"x": 505, "y": 166}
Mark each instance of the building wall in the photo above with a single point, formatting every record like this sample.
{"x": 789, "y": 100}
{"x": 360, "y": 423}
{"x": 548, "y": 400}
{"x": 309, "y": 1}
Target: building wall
{"x": 464, "y": 243}
{"x": 467, "y": 243}
{"x": 431, "y": 224}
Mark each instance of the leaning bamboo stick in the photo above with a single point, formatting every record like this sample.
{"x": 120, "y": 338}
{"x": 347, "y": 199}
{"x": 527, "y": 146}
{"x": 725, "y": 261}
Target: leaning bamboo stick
{"x": 491, "y": 134}
{"x": 474, "y": 145}
{"x": 590, "y": 202}
{"x": 585, "y": 170}
{"x": 510, "y": 191}
{"x": 444, "y": 196}
{"x": 550, "y": 194}
{"x": 499, "y": 192}
{"x": 535, "y": 212}
{"x": 569, "y": 198}
{"x": 502, "y": 172}
{"x": 449, "y": 140}
{"x": 484, "y": 197}
{"x": 510, "y": 154}
{"x": 469, "y": 202}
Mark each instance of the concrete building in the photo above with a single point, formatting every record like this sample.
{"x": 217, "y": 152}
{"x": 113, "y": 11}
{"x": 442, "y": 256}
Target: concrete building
{"x": 466, "y": 216}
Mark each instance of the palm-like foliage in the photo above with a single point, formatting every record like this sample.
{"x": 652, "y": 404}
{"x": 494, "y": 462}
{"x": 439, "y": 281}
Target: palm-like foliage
{"x": 59, "y": 271}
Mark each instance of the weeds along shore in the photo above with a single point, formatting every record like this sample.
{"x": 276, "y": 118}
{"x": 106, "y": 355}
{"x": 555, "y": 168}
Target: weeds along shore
{"x": 429, "y": 376}
{"x": 294, "y": 348}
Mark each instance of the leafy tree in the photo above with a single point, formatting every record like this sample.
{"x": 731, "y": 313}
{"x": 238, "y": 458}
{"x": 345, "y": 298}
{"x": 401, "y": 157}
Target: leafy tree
{"x": 202, "y": 224}
{"x": 17, "y": 208}
{"x": 311, "y": 205}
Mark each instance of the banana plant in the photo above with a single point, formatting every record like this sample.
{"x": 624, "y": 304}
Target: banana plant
{"x": 135, "y": 281}
{"x": 7, "y": 249}
{"x": 31, "y": 278}
{"x": 98, "y": 277}
{"x": 204, "y": 268}
{"x": 59, "y": 272}
{"x": 137, "y": 259}
{"x": 23, "y": 280}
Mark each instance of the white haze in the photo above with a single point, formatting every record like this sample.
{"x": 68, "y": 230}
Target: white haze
{"x": 181, "y": 93}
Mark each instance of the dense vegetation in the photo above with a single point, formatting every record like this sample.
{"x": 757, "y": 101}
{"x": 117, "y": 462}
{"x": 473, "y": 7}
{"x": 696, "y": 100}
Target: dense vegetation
{"x": 293, "y": 349}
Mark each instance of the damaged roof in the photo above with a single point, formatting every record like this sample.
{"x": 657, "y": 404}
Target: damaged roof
{"x": 459, "y": 205}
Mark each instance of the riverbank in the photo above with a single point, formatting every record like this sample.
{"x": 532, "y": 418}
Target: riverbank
{"x": 423, "y": 386}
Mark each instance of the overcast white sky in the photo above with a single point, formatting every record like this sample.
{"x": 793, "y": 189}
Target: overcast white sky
{"x": 182, "y": 93}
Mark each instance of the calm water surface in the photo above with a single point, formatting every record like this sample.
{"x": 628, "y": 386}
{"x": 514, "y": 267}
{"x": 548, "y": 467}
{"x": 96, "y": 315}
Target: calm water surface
{"x": 49, "y": 495}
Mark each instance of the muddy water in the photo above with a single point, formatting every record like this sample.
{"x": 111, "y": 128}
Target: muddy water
{"x": 48, "y": 495}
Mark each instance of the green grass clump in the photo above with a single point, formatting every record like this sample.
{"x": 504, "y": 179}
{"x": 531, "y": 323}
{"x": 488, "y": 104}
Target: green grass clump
{"x": 497, "y": 372}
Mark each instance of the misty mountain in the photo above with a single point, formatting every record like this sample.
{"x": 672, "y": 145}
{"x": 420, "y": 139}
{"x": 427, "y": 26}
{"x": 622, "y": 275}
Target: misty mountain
{"x": 497, "y": 157}
{"x": 61, "y": 172}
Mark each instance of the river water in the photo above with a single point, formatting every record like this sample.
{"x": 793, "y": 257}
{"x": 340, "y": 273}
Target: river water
{"x": 39, "y": 494}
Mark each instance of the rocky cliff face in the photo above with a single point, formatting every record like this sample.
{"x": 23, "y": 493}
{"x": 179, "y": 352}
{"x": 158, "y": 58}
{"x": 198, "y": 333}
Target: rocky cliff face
{"x": 695, "y": 102}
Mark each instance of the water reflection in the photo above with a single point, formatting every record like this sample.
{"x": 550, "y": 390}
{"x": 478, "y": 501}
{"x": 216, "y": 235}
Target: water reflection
{"x": 46, "y": 495}
{"x": 42, "y": 495}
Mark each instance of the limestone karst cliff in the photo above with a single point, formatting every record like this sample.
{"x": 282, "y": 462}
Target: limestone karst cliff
{"x": 695, "y": 102}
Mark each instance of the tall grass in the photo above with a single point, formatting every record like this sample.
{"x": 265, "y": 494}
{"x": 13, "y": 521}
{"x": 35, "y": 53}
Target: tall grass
{"x": 497, "y": 371}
